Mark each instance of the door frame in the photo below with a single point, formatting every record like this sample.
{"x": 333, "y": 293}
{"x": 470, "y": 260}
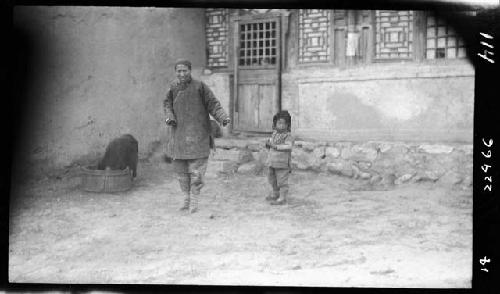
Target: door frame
{"x": 281, "y": 21}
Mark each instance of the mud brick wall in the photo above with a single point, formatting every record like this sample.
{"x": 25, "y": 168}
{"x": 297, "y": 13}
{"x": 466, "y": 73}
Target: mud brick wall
{"x": 95, "y": 73}
{"x": 376, "y": 162}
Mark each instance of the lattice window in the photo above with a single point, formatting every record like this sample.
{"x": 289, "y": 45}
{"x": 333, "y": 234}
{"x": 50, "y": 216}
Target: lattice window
{"x": 442, "y": 41}
{"x": 216, "y": 33}
{"x": 314, "y": 44}
{"x": 394, "y": 34}
{"x": 258, "y": 44}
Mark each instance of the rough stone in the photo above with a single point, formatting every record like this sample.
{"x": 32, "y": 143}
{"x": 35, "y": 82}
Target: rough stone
{"x": 376, "y": 178}
{"x": 384, "y": 147}
{"x": 364, "y": 176}
{"x": 359, "y": 173}
{"x": 255, "y": 147}
{"x": 426, "y": 176}
{"x": 239, "y": 156}
{"x": 435, "y": 148}
{"x": 364, "y": 166}
{"x": 248, "y": 168}
{"x": 245, "y": 156}
{"x": 398, "y": 149}
{"x": 226, "y": 155}
{"x": 332, "y": 152}
{"x": 306, "y": 160}
{"x": 307, "y": 146}
{"x": 300, "y": 159}
{"x": 319, "y": 152}
{"x": 359, "y": 153}
{"x": 340, "y": 167}
{"x": 260, "y": 156}
{"x": 403, "y": 179}
{"x": 388, "y": 179}
{"x": 230, "y": 143}
{"x": 217, "y": 167}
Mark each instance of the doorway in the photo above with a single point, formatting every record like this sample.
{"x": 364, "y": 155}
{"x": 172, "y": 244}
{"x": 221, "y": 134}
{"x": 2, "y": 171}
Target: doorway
{"x": 257, "y": 73}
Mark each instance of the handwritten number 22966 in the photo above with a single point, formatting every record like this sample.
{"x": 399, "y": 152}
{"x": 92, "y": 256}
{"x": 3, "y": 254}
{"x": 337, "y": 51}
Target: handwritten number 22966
{"x": 485, "y": 167}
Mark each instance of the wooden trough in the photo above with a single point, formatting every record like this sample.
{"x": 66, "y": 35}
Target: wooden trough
{"x": 105, "y": 181}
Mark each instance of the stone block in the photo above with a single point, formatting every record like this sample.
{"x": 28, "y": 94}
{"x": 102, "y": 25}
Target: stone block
{"x": 230, "y": 143}
{"x": 245, "y": 156}
{"x": 426, "y": 175}
{"x": 435, "y": 148}
{"x": 301, "y": 159}
{"x": 388, "y": 180}
{"x": 364, "y": 165}
{"x": 384, "y": 147}
{"x": 226, "y": 155}
{"x": 359, "y": 153}
{"x": 359, "y": 173}
{"x": 248, "y": 168}
{"x": 397, "y": 149}
{"x": 238, "y": 156}
{"x": 307, "y": 146}
{"x": 332, "y": 152}
{"x": 255, "y": 147}
{"x": 319, "y": 152}
{"x": 217, "y": 167}
{"x": 375, "y": 179}
{"x": 260, "y": 156}
{"x": 340, "y": 167}
{"x": 403, "y": 179}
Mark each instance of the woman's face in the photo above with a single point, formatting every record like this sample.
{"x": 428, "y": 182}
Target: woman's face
{"x": 183, "y": 72}
{"x": 281, "y": 125}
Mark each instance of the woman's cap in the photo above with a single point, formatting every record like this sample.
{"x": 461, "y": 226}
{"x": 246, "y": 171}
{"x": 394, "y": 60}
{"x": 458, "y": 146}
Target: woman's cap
{"x": 183, "y": 62}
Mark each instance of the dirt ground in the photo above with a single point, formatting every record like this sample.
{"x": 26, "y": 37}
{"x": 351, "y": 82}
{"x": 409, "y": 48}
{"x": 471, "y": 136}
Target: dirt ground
{"x": 335, "y": 231}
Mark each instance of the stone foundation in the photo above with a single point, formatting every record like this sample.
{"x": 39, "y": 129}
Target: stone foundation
{"x": 385, "y": 163}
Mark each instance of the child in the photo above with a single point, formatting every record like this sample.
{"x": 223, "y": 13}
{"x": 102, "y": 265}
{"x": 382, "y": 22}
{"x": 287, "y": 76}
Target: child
{"x": 280, "y": 152}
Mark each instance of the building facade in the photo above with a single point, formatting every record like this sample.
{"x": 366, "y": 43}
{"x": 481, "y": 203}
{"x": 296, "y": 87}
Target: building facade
{"x": 343, "y": 74}
{"x": 371, "y": 92}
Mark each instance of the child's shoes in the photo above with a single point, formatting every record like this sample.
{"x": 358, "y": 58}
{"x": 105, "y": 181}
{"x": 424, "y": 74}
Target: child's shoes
{"x": 281, "y": 199}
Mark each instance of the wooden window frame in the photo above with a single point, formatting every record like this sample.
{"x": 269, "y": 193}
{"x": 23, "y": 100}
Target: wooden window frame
{"x": 459, "y": 42}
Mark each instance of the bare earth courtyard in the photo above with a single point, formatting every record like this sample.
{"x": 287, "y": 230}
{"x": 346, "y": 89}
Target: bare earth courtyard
{"x": 335, "y": 231}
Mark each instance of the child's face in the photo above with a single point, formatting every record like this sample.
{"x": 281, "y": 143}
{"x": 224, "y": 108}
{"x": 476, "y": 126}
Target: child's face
{"x": 281, "y": 125}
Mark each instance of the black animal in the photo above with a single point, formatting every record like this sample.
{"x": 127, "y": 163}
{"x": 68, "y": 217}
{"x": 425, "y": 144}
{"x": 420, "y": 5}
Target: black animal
{"x": 121, "y": 153}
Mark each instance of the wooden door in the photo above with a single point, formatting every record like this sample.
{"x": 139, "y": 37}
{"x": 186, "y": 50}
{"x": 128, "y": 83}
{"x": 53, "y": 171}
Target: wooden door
{"x": 257, "y": 74}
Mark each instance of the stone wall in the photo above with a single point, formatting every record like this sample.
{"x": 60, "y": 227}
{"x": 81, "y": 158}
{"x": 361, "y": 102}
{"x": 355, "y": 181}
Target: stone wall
{"x": 376, "y": 162}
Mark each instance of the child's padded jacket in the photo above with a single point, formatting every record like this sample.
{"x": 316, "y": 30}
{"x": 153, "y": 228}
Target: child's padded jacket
{"x": 280, "y": 158}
